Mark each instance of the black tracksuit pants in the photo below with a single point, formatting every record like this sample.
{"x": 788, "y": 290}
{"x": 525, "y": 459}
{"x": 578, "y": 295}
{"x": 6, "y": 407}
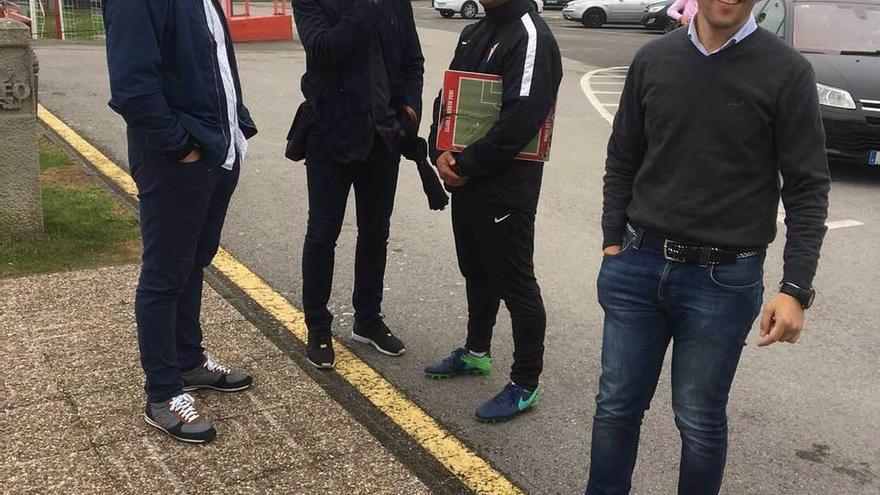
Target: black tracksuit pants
{"x": 495, "y": 246}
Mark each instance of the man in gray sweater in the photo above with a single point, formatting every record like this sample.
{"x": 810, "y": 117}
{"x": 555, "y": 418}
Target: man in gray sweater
{"x": 710, "y": 117}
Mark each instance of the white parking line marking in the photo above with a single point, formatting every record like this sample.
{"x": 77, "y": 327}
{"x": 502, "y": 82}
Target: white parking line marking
{"x": 837, "y": 224}
{"x": 842, "y": 224}
{"x": 587, "y": 83}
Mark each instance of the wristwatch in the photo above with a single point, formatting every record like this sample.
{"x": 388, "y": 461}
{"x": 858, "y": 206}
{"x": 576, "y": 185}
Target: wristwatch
{"x": 804, "y": 296}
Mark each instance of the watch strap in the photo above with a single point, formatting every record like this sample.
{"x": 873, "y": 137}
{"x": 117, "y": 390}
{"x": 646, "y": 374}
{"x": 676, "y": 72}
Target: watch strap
{"x": 804, "y": 296}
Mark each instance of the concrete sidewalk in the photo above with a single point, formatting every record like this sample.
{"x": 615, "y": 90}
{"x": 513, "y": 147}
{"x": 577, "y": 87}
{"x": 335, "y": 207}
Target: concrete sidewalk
{"x": 72, "y": 402}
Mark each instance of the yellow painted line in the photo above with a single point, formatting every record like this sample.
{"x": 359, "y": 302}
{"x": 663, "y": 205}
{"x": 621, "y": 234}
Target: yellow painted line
{"x": 475, "y": 472}
{"x": 98, "y": 160}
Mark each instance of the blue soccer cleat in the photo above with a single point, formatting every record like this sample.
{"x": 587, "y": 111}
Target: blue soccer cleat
{"x": 511, "y": 402}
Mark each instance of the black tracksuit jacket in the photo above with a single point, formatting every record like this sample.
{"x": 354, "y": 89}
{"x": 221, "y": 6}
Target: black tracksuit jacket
{"x": 512, "y": 41}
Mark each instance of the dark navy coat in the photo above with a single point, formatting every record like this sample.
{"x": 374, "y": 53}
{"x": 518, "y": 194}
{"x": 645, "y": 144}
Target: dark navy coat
{"x": 165, "y": 79}
{"x": 336, "y": 35}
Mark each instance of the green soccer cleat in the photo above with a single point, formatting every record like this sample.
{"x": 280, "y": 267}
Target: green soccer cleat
{"x": 460, "y": 362}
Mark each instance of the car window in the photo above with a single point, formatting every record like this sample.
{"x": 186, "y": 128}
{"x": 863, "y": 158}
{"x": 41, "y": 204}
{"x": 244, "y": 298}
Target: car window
{"x": 837, "y": 27}
{"x": 771, "y": 16}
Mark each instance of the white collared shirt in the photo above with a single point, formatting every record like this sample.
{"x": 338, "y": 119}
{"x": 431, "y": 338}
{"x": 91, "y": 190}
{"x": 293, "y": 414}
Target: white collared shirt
{"x": 237, "y": 142}
{"x": 748, "y": 28}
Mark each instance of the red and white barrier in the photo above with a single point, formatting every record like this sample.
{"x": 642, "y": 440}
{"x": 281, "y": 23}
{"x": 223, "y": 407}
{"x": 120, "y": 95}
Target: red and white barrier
{"x": 243, "y": 26}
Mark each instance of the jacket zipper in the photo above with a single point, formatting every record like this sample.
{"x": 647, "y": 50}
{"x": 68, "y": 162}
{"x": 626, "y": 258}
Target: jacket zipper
{"x": 224, "y": 121}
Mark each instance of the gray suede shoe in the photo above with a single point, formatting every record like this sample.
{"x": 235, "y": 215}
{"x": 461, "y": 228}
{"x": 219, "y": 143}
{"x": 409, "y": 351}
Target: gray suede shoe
{"x": 215, "y": 376}
{"x": 179, "y": 418}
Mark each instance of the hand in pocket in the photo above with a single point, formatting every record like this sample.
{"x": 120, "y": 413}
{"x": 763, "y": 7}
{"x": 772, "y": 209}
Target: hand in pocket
{"x": 193, "y": 156}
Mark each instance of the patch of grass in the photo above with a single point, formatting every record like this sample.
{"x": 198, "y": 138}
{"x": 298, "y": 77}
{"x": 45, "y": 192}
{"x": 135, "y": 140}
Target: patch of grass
{"x": 50, "y": 156}
{"x": 84, "y": 225}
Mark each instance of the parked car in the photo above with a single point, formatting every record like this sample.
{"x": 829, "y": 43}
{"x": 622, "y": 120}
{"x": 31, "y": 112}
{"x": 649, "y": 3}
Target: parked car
{"x": 842, "y": 40}
{"x": 556, "y": 3}
{"x": 596, "y": 13}
{"x": 469, "y": 8}
{"x": 655, "y": 15}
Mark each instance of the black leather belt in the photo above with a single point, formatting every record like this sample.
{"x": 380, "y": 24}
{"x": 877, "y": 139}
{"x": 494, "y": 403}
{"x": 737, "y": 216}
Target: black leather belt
{"x": 681, "y": 252}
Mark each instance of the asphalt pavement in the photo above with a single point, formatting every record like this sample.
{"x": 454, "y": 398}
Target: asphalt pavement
{"x": 804, "y": 419}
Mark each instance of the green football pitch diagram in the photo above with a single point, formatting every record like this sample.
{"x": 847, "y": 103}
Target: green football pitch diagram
{"x": 479, "y": 106}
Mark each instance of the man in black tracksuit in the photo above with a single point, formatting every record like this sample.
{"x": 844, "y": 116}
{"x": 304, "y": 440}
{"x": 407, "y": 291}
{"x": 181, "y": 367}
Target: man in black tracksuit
{"x": 495, "y": 197}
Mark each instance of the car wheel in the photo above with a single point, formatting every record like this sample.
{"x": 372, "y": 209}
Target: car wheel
{"x": 594, "y": 18}
{"x": 469, "y": 10}
{"x": 446, "y": 14}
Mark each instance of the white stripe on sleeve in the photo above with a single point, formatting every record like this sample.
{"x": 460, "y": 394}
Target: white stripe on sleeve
{"x": 531, "y": 48}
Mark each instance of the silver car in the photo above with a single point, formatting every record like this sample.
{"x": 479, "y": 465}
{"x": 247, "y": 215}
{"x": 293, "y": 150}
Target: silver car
{"x": 596, "y": 13}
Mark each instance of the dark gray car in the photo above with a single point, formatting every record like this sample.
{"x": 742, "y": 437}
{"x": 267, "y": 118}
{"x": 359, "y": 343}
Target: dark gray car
{"x": 841, "y": 39}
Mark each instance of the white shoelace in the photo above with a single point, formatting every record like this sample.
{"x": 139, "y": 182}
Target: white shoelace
{"x": 183, "y": 405}
{"x": 216, "y": 367}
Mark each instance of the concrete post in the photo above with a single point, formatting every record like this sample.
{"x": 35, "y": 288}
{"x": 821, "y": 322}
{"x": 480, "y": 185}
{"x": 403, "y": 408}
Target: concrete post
{"x": 21, "y": 204}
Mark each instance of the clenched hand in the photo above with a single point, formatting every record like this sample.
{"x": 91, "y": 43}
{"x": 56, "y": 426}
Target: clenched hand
{"x": 444, "y": 167}
{"x": 781, "y": 321}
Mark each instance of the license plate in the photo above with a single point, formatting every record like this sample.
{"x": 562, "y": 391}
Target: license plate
{"x": 874, "y": 158}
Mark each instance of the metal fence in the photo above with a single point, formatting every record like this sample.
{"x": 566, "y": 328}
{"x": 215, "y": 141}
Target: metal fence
{"x": 60, "y": 19}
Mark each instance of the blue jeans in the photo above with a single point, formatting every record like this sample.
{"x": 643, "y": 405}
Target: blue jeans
{"x": 706, "y": 312}
{"x": 182, "y": 210}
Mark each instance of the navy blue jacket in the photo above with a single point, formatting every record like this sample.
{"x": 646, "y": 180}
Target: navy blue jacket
{"x": 336, "y": 35}
{"x": 165, "y": 80}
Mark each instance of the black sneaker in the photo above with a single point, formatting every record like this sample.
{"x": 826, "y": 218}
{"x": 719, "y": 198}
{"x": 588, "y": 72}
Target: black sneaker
{"x": 319, "y": 350}
{"x": 377, "y": 334}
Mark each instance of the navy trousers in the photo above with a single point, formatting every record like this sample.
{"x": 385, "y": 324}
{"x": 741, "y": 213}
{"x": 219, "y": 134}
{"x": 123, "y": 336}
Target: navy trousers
{"x": 182, "y": 209}
{"x": 329, "y": 183}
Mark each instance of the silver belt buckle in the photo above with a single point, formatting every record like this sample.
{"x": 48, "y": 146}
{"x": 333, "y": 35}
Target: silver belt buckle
{"x": 667, "y": 256}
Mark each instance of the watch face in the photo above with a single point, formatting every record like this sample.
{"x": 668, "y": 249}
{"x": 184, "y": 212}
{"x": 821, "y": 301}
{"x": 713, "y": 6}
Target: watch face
{"x": 810, "y": 298}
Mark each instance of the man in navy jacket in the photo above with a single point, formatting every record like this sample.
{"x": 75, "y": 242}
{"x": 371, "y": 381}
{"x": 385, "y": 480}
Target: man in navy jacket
{"x": 363, "y": 83}
{"x": 174, "y": 80}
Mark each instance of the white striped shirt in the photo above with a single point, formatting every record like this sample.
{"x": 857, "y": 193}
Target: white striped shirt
{"x": 237, "y": 142}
